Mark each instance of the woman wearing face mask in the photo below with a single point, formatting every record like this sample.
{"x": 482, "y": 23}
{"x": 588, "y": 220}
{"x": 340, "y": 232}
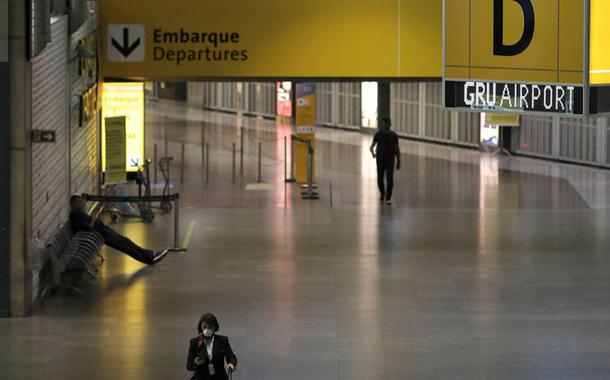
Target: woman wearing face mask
{"x": 208, "y": 352}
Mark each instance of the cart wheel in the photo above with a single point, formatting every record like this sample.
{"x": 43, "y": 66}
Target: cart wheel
{"x": 114, "y": 217}
{"x": 148, "y": 215}
{"x": 166, "y": 206}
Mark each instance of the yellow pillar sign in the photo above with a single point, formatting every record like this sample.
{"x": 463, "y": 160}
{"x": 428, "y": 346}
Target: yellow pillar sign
{"x": 125, "y": 99}
{"x": 306, "y": 130}
{"x": 115, "y": 148}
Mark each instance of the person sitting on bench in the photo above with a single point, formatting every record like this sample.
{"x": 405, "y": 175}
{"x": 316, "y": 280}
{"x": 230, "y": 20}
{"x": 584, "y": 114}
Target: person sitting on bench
{"x": 81, "y": 221}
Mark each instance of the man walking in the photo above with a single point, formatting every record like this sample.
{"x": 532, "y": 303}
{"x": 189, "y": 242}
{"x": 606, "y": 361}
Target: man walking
{"x": 387, "y": 152}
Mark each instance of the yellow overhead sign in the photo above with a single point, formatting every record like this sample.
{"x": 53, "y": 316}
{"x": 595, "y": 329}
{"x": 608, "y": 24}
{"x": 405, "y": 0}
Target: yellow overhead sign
{"x": 125, "y": 99}
{"x": 272, "y": 38}
{"x": 599, "y": 47}
{"x": 539, "y": 41}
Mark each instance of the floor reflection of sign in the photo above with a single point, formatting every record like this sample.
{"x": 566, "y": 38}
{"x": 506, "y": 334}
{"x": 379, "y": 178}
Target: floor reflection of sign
{"x": 126, "y": 99}
{"x": 490, "y": 134}
{"x": 115, "y": 147}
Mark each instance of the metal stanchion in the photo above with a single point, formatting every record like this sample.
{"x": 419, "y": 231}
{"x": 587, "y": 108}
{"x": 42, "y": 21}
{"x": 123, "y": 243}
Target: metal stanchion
{"x": 165, "y": 138}
{"x": 234, "y": 158}
{"x": 330, "y": 185}
{"x": 285, "y": 159}
{"x": 202, "y": 146}
{"x": 207, "y": 162}
{"x": 182, "y": 164}
{"x": 155, "y": 163}
{"x": 310, "y": 194}
{"x": 241, "y": 150}
{"x": 260, "y": 176}
{"x": 177, "y": 247}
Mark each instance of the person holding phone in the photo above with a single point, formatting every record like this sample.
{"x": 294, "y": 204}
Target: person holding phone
{"x": 208, "y": 352}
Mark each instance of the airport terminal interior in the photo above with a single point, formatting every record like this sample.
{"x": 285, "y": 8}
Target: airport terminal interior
{"x": 252, "y": 186}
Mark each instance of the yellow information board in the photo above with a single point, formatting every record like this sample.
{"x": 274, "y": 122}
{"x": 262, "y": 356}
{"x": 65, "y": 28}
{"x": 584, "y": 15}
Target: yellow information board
{"x": 125, "y": 99}
{"x": 272, "y": 38}
{"x": 306, "y": 130}
{"x": 115, "y": 148}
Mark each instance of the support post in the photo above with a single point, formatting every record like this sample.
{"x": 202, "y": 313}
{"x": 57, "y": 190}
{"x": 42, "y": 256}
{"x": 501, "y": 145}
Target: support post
{"x": 202, "y": 145}
{"x": 310, "y": 194}
{"x": 155, "y": 163}
{"x": 207, "y": 162}
{"x": 260, "y": 177}
{"x": 182, "y": 157}
{"x": 234, "y": 158}
{"x": 176, "y": 247}
{"x": 285, "y": 159}
{"x": 241, "y": 150}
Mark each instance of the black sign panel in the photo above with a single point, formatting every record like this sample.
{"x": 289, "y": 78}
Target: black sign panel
{"x": 42, "y": 136}
{"x": 4, "y": 192}
{"x": 514, "y": 97}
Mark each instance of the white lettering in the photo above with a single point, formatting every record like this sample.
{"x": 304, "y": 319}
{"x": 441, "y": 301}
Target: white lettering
{"x": 480, "y": 94}
{"x": 523, "y": 97}
{"x": 506, "y": 96}
{"x": 548, "y": 97}
{"x": 491, "y": 96}
{"x": 468, "y": 96}
{"x": 535, "y": 94}
{"x": 571, "y": 99}
{"x": 560, "y": 93}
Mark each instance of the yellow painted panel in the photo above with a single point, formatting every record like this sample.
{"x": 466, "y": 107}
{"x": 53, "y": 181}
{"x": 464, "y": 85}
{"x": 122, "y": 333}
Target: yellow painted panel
{"x": 457, "y": 72}
{"x": 541, "y": 53}
{"x": 514, "y": 75}
{"x": 571, "y": 34}
{"x": 571, "y": 78}
{"x": 276, "y": 38}
{"x": 457, "y": 33}
{"x": 600, "y": 37}
{"x": 421, "y": 38}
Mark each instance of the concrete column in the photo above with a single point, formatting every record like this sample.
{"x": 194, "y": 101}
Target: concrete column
{"x": 383, "y": 101}
{"x": 20, "y": 110}
{"x": 5, "y": 299}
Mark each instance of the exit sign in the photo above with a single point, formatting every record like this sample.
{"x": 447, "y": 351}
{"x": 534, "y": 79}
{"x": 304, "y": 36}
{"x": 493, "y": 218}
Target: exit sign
{"x": 42, "y": 136}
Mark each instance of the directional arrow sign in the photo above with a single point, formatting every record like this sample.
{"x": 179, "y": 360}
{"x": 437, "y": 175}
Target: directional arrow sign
{"x": 126, "y": 48}
{"x": 126, "y": 42}
{"x": 135, "y": 163}
{"x": 38, "y": 136}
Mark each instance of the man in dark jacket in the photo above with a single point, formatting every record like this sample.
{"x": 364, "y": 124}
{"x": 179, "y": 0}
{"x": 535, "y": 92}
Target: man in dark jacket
{"x": 386, "y": 150}
{"x": 81, "y": 221}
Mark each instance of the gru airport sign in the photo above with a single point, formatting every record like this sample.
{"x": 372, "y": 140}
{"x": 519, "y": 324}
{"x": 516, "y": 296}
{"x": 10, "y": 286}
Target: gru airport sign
{"x": 163, "y": 39}
{"x": 526, "y": 56}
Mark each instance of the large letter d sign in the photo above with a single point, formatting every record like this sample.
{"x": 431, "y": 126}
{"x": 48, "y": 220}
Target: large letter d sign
{"x": 528, "y": 30}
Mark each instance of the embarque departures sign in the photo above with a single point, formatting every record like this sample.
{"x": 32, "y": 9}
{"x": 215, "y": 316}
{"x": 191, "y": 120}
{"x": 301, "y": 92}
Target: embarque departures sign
{"x": 526, "y": 56}
{"x": 163, "y": 39}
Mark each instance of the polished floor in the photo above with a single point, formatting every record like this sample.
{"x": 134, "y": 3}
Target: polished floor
{"x": 483, "y": 268}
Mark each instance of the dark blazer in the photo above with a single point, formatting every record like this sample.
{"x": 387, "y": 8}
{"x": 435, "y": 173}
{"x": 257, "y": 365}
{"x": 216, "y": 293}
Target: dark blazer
{"x": 220, "y": 352}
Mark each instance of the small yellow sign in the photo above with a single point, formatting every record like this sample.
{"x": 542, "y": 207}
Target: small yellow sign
{"x": 599, "y": 51}
{"x": 306, "y": 130}
{"x": 115, "y": 148}
{"x": 502, "y": 119}
{"x": 125, "y": 99}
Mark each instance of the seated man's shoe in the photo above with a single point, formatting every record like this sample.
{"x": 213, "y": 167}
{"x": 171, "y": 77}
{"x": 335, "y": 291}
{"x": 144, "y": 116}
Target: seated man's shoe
{"x": 158, "y": 256}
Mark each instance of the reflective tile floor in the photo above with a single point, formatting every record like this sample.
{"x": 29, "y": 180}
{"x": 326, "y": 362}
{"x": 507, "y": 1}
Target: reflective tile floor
{"x": 482, "y": 269}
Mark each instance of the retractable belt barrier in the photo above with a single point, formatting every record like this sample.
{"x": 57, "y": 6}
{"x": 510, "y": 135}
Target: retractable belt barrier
{"x": 153, "y": 198}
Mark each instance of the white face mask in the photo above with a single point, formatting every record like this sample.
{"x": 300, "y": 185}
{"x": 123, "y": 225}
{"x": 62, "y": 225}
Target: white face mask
{"x": 208, "y": 333}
